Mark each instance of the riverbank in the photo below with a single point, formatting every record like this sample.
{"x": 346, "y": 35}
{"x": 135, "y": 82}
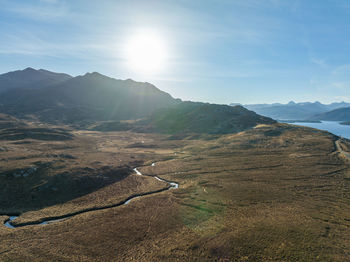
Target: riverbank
{"x": 11, "y": 223}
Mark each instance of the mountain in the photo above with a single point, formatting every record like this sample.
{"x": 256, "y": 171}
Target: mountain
{"x": 102, "y": 103}
{"x": 294, "y": 111}
{"x": 195, "y": 117}
{"x": 340, "y": 114}
{"x": 90, "y": 97}
{"x": 30, "y": 78}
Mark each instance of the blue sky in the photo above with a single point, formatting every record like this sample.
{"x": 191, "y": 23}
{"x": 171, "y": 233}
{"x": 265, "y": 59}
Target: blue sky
{"x": 223, "y": 51}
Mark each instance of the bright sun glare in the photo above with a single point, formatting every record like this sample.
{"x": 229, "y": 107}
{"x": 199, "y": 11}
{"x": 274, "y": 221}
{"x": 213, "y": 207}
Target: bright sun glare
{"x": 146, "y": 52}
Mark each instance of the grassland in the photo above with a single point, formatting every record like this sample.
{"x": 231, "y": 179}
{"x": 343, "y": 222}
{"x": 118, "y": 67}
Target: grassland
{"x": 273, "y": 193}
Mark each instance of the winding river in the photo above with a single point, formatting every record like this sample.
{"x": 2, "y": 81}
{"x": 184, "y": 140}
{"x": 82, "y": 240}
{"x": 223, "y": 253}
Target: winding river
{"x": 171, "y": 185}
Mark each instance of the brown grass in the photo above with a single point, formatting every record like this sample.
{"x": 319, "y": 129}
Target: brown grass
{"x": 273, "y": 193}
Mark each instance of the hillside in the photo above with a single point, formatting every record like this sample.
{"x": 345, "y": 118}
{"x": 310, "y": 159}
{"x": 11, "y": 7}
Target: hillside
{"x": 30, "y": 78}
{"x": 341, "y": 114}
{"x": 100, "y": 102}
{"x": 272, "y": 193}
{"x": 7, "y": 121}
{"x": 294, "y": 111}
{"x": 81, "y": 99}
{"x": 191, "y": 117}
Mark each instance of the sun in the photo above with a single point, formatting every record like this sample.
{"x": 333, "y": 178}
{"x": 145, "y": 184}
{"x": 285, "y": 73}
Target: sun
{"x": 146, "y": 52}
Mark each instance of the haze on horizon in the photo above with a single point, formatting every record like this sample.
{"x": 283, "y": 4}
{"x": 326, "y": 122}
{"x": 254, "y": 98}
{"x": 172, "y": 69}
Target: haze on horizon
{"x": 244, "y": 51}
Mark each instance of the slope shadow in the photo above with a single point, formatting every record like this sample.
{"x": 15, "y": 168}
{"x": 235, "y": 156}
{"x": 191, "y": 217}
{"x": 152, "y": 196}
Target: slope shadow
{"x": 32, "y": 189}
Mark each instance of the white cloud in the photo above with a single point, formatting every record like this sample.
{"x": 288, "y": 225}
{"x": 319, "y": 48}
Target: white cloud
{"x": 320, "y": 62}
{"x": 343, "y": 70}
{"x": 40, "y": 10}
{"x": 50, "y": 1}
{"x": 340, "y": 85}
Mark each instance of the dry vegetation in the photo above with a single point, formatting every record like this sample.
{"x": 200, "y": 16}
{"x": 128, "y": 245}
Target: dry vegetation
{"x": 272, "y": 193}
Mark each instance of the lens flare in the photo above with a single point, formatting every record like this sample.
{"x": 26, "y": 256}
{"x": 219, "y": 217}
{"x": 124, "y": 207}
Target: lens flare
{"x": 146, "y": 52}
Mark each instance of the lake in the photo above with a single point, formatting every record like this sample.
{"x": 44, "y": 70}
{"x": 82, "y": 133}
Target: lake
{"x": 330, "y": 126}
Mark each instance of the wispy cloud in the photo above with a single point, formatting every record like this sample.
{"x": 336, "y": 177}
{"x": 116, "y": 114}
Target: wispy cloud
{"x": 340, "y": 85}
{"x": 342, "y": 70}
{"x": 29, "y": 44}
{"x": 320, "y": 62}
{"x": 37, "y": 10}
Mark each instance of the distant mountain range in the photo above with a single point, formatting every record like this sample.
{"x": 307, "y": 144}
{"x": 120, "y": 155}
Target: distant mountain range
{"x": 295, "y": 111}
{"x": 101, "y": 101}
{"x": 340, "y": 114}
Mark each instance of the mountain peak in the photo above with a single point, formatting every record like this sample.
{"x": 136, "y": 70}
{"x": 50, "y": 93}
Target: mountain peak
{"x": 29, "y": 69}
{"x": 94, "y": 75}
{"x": 30, "y": 78}
{"x": 89, "y": 97}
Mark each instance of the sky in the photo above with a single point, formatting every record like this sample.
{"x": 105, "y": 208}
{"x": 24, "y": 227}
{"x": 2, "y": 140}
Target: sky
{"x": 222, "y": 51}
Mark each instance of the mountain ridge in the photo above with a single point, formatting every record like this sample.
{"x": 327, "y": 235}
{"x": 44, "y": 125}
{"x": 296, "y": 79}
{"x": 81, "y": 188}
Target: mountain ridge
{"x": 340, "y": 114}
{"x": 30, "y": 78}
{"x": 197, "y": 117}
{"x": 85, "y": 97}
{"x": 294, "y": 111}
{"x": 88, "y": 99}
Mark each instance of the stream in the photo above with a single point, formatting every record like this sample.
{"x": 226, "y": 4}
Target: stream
{"x": 172, "y": 185}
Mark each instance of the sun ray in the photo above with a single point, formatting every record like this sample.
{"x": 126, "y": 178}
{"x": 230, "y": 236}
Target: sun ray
{"x": 146, "y": 52}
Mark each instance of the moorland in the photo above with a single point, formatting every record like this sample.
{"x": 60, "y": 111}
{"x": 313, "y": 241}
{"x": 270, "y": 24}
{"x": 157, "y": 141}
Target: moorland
{"x": 272, "y": 193}
{"x": 250, "y": 189}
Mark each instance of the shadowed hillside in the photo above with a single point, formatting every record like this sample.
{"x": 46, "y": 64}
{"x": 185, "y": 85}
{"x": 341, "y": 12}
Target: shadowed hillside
{"x": 86, "y": 98}
{"x": 190, "y": 117}
{"x": 102, "y": 103}
{"x": 30, "y": 78}
{"x": 7, "y": 121}
{"x": 46, "y": 134}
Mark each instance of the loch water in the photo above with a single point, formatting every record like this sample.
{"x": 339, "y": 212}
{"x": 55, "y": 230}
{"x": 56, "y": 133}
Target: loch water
{"x": 330, "y": 126}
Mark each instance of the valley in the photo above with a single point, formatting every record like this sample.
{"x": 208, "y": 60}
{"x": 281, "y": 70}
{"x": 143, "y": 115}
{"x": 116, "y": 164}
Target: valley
{"x": 174, "y": 131}
{"x": 271, "y": 193}
{"x": 99, "y": 169}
